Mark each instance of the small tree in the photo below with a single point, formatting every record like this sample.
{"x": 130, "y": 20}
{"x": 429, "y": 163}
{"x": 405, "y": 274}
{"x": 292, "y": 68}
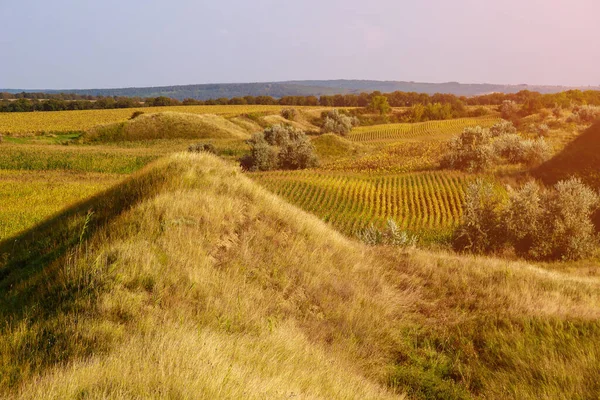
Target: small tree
{"x": 338, "y": 123}
{"x": 471, "y": 151}
{"x": 379, "y": 104}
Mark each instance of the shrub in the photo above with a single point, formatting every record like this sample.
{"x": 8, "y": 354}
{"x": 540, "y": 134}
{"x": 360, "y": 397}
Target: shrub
{"x": 542, "y": 130}
{"x": 557, "y": 111}
{"x": 515, "y": 149}
{"x": 585, "y": 114}
{"x": 551, "y": 225}
{"x": 280, "y": 147}
{"x": 523, "y": 218}
{"x": 471, "y": 151}
{"x": 339, "y": 123}
{"x": 136, "y": 114}
{"x": 536, "y": 151}
{"x": 509, "y": 109}
{"x": 202, "y": 147}
{"x": 392, "y": 236}
{"x": 480, "y": 231}
{"x": 510, "y": 147}
{"x": 503, "y": 127}
{"x": 289, "y": 113}
{"x": 539, "y": 224}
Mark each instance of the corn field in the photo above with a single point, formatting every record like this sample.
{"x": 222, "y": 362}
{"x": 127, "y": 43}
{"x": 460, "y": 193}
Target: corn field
{"x": 429, "y": 129}
{"x": 418, "y": 202}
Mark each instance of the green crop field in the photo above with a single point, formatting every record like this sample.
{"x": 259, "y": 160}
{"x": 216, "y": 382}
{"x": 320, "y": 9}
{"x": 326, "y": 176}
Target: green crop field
{"x": 419, "y": 202}
{"x": 422, "y": 130}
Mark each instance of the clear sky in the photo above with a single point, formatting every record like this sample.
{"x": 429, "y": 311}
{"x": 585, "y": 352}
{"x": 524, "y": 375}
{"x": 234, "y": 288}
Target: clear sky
{"x": 63, "y": 44}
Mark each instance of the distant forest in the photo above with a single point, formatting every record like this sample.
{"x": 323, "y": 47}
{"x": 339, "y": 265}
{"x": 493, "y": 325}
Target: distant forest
{"x": 532, "y": 101}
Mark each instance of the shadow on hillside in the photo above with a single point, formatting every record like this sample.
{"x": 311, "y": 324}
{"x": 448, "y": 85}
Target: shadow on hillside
{"x": 36, "y": 296}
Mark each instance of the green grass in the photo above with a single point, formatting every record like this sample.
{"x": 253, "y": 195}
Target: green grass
{"x": 30, "y": 197}
{"x": 74, "y": 158}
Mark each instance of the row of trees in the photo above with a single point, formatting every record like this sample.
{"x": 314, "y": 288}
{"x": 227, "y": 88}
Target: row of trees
{"x": 446, "y": 103}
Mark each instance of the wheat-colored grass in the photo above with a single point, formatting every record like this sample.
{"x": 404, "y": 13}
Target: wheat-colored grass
{"x": 190, "y": 281}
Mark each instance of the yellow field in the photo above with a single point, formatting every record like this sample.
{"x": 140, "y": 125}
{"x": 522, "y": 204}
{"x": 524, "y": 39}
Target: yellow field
{"x": 30, "y": 197}
{"x": 65, "y": 121}
{"x": 423, "y": 130}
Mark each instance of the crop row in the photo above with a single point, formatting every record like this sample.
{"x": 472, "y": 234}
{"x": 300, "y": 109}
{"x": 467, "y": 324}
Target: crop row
{"x": 390, "y": 132}
{"x": 426, "y": 201}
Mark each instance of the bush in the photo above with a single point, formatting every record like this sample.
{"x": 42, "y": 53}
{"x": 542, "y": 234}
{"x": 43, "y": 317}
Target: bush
{"x": 557, "y": 111}
{"x": 585, "y": 114}
{"x": 536, "y": 151}
{"x": 392, "y": 236}
{"x": 515, "y": 149}
{"x": 481, "y": 230}
{"x": 280, "y": 147}
{"x": 136, "y": 114}
{"x": 202, "y": 147}
{"x": 471, "y": 151}
{"x": 289, "y": 114}
{"x": 552, "y": 225}
{"x": 542, "y": 130}
{"x": 510, "y": 147}
{"x": 503, "y": 127}
{"x": 509, "y": 109}
{"x": 539, "y": 224}
{"x": 338, "y": 123}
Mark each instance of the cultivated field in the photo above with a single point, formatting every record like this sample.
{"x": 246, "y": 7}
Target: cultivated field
{"x": 76, "y": 121}
{"x": 428, "y": 202}
{"x": 422, "y": 130}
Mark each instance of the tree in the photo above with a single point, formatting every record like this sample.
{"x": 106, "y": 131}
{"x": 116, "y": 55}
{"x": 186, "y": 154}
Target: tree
{"x": 379, "y": 104}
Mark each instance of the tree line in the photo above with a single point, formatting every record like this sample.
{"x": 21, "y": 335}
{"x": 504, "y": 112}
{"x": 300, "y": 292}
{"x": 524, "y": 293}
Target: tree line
{"x": 532, "y": 101}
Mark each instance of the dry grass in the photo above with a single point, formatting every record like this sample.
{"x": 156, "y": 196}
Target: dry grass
{"x": 190, "y": 281}
{"x": 167, "y": 125}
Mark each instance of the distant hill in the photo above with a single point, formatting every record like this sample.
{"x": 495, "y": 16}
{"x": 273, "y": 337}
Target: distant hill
{"x": 307, "y": 88}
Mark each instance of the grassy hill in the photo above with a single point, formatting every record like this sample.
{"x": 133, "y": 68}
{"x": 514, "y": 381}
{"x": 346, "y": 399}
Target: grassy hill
{"x": 188, "y": 280}
{"x": 167, "y": 125}
{"x": 581, "y": 158}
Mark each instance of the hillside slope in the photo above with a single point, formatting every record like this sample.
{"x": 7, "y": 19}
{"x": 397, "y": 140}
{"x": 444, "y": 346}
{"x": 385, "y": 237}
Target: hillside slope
{"x": 190, "y": 281}
{"x": 580, "y": 158}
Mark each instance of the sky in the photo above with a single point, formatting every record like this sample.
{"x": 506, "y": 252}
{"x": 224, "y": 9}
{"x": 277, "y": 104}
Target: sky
{"x": 69, "y": 44}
